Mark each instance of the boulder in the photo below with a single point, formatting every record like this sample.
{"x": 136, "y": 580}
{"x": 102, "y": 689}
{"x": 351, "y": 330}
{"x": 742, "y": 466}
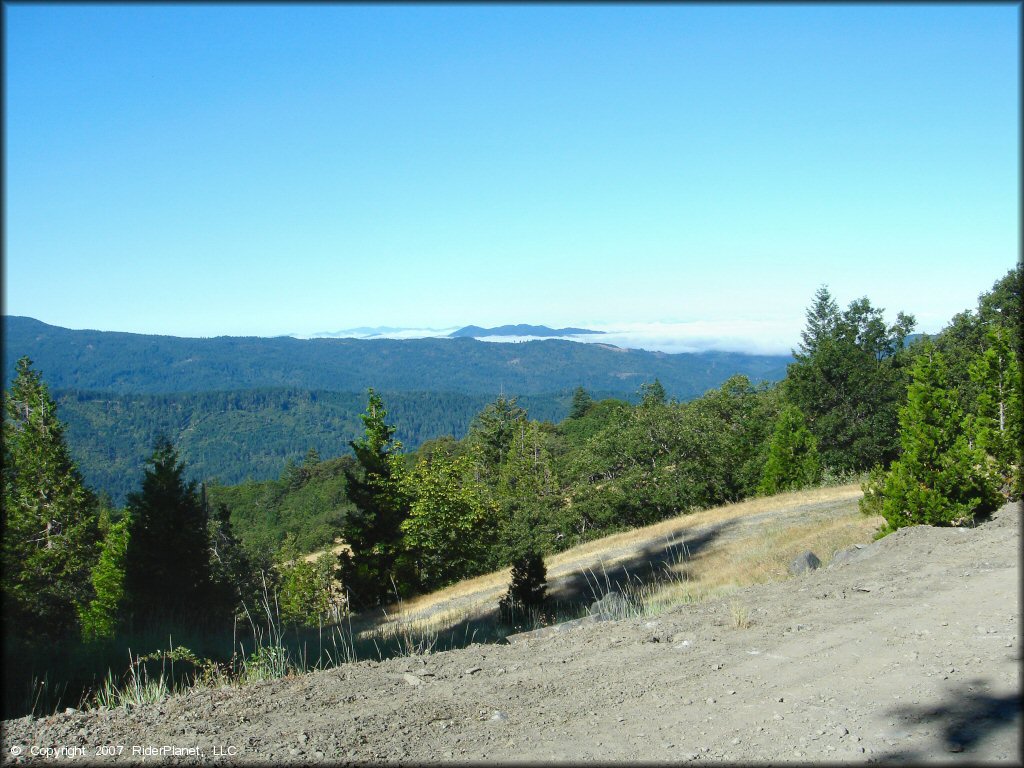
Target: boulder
{"x": 804, "y": 562}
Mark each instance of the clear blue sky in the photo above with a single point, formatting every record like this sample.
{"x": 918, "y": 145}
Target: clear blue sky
{"x": 261, "y": 170}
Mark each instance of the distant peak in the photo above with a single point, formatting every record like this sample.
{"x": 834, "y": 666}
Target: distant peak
{"x": 475, "y": 331}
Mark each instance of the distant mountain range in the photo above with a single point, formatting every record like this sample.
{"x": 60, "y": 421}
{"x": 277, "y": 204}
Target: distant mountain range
{"x": 476, "y": 332}
{"x": 240, "y": 407}
{"x": 467, "y": 332}
{"x": 132, "y": 363}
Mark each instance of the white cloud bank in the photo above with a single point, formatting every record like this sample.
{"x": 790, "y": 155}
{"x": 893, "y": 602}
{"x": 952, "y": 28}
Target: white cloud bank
{"x": 751, "y": 336}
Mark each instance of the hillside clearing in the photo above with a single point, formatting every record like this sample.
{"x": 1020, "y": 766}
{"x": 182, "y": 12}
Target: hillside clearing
{"x": 907, "y": 652}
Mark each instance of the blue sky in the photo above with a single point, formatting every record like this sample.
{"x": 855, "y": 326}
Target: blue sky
{"x": 261, "y": 170}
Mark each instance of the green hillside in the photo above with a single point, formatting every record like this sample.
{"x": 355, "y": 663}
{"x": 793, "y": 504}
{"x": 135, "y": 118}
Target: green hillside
{"x": 139, "y": 364}
{"x": 242, "y": 435}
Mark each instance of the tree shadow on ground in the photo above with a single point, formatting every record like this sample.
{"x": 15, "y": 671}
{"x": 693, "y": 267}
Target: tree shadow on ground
{"x": 657, "y": 561}
{"x": 569, "y": 595}
{"x": 970, "y": 718}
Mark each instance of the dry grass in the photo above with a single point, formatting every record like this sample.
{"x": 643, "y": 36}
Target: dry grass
{"x": 760, "y": 558}
{"x": 600, "y": 549}
{"x": 762, "y": 555}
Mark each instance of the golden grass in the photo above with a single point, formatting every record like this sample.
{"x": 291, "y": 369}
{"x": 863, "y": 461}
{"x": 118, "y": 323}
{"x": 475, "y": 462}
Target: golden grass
{"x": 761, "y": 555}
{"x": 764, "y": 557}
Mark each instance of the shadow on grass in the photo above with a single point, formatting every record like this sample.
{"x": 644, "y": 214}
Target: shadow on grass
{"x": 646, "y": 566}
{"x": 968, "y": 719}
{"x": 570, "y": 595}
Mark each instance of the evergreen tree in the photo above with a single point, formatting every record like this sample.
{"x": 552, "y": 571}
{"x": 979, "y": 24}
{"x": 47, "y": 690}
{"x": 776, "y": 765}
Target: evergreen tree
{"x": 792, "y": 455}
{"x": 848, "y": 379}
{"x": 822, "y": 321}
{"x": 528, "y": 588}
{"x": 50, "y": 522}
{"x": 167, "y": 564}
{"x": 234, "y": 587}
{"x": 373, "y": 530}
{"x": 526, "y": 495}
{"x": 105, "y": 612}
{"x": 995, "y": 426}
{"x": 491, "y": 433}
{"x": 939, "y": 478}
{"x": 581, "y": 402}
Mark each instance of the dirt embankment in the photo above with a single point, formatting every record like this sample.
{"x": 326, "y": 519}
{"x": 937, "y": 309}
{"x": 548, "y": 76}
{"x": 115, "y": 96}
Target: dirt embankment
{"x": 908, "y": 652}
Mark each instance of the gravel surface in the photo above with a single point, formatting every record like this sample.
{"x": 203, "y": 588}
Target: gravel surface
{"x": 908, "y": 651}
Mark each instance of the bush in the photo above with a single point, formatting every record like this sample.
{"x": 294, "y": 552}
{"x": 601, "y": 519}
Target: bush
{"x": 528, "y": 589}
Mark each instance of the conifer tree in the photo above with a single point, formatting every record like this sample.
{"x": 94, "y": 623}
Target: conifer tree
{"x": 995, "y": 426}
{"x": 848, "y": 380}
{"x": 373, "y": 530}
{"x": 939, "y": 478}
{"x": 793, "y": 461}
{"x": 167, "y": 564}
{"x": 233, "y": 578}
{"x": 105, "y": 612}
{"x": 525, "y": 494}
{"x": 581, "y": 402}
{"x": 528, "y": 588}
{"x": 491, "y": 434}
{"x": 653, "y": 394}
{"x": 50, "y": 524}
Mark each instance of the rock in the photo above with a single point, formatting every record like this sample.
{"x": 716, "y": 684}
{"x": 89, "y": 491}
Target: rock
{"x": 804, "y": 562}
{"x": 472, "y": 670}
{"x": 412, "y": 679}
{"x": 498, "y": 715}
{"x": 610, "y": 607}
{"x": 554, "y": 629}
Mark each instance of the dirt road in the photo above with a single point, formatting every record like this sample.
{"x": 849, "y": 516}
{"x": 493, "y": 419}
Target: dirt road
{"x": 909, "y": 652}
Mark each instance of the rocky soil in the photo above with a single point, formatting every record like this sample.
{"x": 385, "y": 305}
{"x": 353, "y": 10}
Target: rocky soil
{"x": 907, "y": 651}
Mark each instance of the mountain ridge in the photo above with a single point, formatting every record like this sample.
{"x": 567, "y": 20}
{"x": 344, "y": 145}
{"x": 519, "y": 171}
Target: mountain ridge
{"x": 521, "y": 329}
{"x": 130, "y": 363}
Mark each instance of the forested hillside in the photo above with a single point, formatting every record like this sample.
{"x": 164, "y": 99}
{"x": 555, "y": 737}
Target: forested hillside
{"x": 238, "y": 408}
{"x": 933, "y": 429}
{"x": 130, "y": 363}
{"x": 233, "y": 436}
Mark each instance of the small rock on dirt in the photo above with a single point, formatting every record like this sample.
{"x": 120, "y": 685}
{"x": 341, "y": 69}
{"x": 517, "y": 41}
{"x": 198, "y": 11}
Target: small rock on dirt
{"x": 804, "y": 562}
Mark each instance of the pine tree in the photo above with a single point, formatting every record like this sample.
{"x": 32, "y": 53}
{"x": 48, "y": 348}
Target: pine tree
{"x": 528, "y": 588}
{"x": 822, "y": 321}
{"x": 848, "y": 380}
{"x": 373, "y": 530}
{"x": 581, "y": 402}
{"x": 234, "y": 588}
{"x": 995, "y": 426}
{"x": 50, "y": 522}
{"x": 105, "y": 612}
{"x": 491, "y": 434}
{"x": 793, "y": 461}
{"x": 167, "y": 564}
{"x": 939, "y": 478}
{"x": 525, "y": 495}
